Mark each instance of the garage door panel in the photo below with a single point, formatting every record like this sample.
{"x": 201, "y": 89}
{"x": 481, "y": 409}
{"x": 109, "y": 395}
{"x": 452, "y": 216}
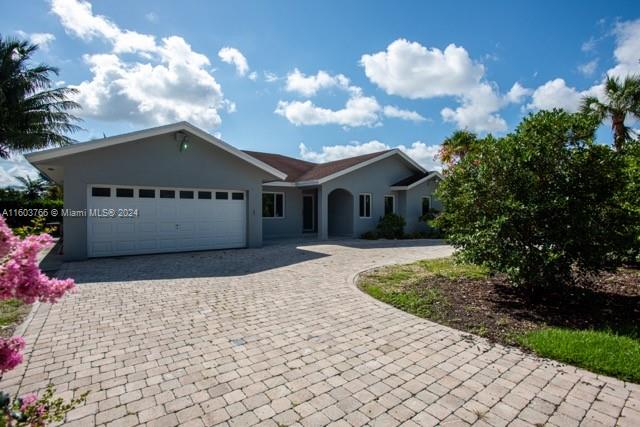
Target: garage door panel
{"x": 147, "y": 227}
{"x": 165, "y": 224}
{"x": 102, "y": 228}
{"x": 147, "y": 245}
{"x": 125, "y": 227}
{"x": 125, "y": 246}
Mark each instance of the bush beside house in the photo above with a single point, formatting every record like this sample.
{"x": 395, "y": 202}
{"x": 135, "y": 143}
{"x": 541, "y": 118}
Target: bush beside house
{"x": 544, "y": 204}
{"x": 391, "y": 226}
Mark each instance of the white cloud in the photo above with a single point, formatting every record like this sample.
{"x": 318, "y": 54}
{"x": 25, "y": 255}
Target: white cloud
{"x": 358, "y": 111}
{"x": 395, "y": 112}
{"x": 419, "y": 151}
{"x": 423, "y": 154}
{"x": 233, "y": 56}
{"x": 480, "y": 105}
{"x": 310, "y": 85}
{"x": 476, "y": 111}
{"x": 41, "y": 39}
{"x": 151, "y": 17}
{"x": 627, "y": 51}
{"x": 270, "y": 77}
{"x": 14, "y": 166}
{"x": 78, "y": 19}
{"x": 588, "y": 68}
{"x": 413, "y": 71}
{"x": 517, "y": 93}
{"x": 253, "y": 76}
{"x": 589, "y": 45}
{"x": 162, "y": 82}
{"x": 337, "y": 152}
{"x": 556, "y": 94}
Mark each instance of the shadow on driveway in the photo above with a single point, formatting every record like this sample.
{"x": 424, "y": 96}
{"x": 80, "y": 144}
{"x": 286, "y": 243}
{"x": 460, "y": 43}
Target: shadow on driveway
{"x": 237, "y": 262}
{"x": 221, "y": 263}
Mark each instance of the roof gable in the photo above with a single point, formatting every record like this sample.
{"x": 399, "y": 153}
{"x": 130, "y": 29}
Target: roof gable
{"x": 415, "y": 180}
{"x": 288, "y": 169}
{"x": 53, "y": 153}
{"x": 308, "y": 173}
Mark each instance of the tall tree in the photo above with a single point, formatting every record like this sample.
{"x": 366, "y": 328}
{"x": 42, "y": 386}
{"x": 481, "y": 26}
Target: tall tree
{"x": 622, "y": 101}
{"x": 457, "y": 146}
{"x": 33, "y": 187}
{"x": 33, "y": 114}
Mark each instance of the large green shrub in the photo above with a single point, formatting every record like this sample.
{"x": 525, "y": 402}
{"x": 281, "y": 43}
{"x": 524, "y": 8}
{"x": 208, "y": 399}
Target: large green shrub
{"x": 632, "y": 193}
{"x": 540, "y": 204}
{"x": 391, "y": 226}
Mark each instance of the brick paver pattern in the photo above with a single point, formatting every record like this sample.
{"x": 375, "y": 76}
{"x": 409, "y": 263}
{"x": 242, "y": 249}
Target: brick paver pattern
{"x": 281, "y": 336}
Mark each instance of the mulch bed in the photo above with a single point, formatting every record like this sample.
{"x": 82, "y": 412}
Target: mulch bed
{"x": 498, "y": 311}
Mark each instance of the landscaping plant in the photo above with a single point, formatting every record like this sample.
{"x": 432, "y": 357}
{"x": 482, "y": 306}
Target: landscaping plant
{"x": 391, "y": 226}
{"x": 38, "y": 225}
{"x": 541, "y": 204}
{"x": 21, "y": 279}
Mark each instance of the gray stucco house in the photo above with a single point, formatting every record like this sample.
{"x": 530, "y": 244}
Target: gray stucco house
{"x": 177, "y": 188}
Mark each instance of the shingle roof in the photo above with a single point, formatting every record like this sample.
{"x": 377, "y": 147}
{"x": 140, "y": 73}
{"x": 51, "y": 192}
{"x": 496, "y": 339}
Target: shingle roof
{"x": 294, "y": 168}
{"x": 410, "y": 180}
{"x": 300, "y": 170}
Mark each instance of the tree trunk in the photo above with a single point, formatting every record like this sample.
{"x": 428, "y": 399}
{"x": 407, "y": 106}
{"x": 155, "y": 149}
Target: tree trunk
{"x": 618, "y": 131}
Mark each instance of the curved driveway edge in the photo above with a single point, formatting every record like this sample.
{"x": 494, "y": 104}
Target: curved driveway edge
{"x": 281, "y": 336}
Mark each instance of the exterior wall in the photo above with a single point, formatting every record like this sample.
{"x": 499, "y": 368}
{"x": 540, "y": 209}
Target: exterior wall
{"x": 291, "y": 224}
{"x": 157, "y": 162}
{"x": 413, "y": 205}
{"x": 375, "y": 179}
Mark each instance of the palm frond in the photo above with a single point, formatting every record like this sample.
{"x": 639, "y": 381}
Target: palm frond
{"x": 33, "y": 115}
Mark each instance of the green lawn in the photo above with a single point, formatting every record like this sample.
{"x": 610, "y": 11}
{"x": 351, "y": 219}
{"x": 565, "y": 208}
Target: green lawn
{"x": 398, "y": 285}
{"x": 429, "y": 289}
{"x": 604, "y": 352}
{"x": 11, "y": 313}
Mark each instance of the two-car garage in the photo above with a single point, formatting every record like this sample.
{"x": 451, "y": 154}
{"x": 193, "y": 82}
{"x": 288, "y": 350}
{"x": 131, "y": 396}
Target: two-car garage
{"x": 173, "y": 188}
{"x": 128, "y": 220}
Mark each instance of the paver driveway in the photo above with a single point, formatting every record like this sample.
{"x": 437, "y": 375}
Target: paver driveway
{"x": 280, "y": 335}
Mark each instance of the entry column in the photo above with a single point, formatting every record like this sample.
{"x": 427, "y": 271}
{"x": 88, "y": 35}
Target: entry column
{"x": 323, "y": 223}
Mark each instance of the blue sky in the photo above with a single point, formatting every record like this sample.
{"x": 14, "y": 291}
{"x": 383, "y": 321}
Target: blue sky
{"x": 324, "y": 80}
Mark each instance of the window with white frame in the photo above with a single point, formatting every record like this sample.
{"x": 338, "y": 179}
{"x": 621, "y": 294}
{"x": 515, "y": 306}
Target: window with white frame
{"x": 389, "y": 204}
{"x": 273, "y": 205}
{"x": 364, "y": 205}
{"x": 426, "y": 205}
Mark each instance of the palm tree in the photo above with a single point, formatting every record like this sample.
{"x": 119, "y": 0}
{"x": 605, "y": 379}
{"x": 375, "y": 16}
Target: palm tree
{"x": 623, "y": 99}
{"x": 458, "y": 145}
{"x": 32, "y": 114}
{"x": 33, "y": 187}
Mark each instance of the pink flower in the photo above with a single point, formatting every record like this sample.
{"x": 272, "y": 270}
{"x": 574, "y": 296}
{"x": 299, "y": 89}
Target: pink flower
{"x": 20, "y": 275}
{"x": 21, "y": 278}
{"x": 27, "y": 400}
{"x": 10, "y": 353}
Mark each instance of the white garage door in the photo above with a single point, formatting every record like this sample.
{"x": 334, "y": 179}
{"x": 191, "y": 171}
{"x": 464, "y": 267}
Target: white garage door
{"x": 127, "y": 220}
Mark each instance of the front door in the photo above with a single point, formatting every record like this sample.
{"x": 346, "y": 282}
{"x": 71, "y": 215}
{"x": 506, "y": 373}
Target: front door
{"x": 308, "y": 214}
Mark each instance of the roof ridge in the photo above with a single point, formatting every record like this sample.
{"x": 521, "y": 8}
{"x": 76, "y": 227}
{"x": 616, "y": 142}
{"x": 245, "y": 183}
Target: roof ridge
{"x": 372, "y": 154}
{"x": 280, "y": 155}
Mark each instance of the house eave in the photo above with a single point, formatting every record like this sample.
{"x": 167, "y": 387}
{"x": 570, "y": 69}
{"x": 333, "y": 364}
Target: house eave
{"x": 432, "y": 175}
{"x": 54, "y": 153}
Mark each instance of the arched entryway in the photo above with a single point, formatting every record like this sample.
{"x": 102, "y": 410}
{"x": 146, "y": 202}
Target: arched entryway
{"x": 340, "y": 213}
